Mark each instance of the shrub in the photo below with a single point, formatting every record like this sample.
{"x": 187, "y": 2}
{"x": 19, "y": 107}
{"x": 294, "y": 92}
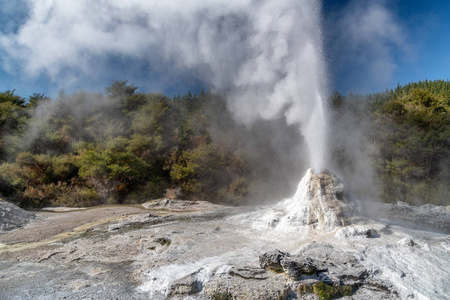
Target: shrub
{"x": 79, "y": 197}
{"x": 151, "y": 190}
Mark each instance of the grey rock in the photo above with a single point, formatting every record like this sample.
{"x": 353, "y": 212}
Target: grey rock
{"x": 185, "y": 286}
{"x": 406, "y": 242}
{"x": 272, "y": 261}
{"x": 249, "y": 273}
{"x": 360, "y": 231}
{"x": 294, "y": 276}
{"x": 322, "y": 262}
{"x": 295, "y": 269}
{"x": 13, "y": 217}
{"x": 236, "y": 288}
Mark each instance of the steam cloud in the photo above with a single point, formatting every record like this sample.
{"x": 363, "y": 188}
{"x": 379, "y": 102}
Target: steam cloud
{"x": 368, "y": 38}
{"x": 265, "y": 55}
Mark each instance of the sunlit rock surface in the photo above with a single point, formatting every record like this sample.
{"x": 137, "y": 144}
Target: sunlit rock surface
{"x": 313, "y": 243}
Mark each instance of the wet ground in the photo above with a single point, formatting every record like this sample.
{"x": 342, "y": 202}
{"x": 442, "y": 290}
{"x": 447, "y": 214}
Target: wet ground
{"x": 131, "y": 252}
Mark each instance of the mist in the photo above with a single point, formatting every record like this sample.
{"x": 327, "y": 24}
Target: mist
{"x": 268, "y": 59}
{"x": 265, "y": 56}
{"x": 353, "y": 150}
{"x": 363, "y": 43}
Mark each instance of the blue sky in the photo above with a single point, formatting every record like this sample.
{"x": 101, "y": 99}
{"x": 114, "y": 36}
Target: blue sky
{"x": 369, "y": 46}
{"x": 418, "y": 48}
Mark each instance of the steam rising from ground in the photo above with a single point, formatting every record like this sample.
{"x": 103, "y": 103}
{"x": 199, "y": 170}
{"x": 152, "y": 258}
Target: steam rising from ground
{"x": 265, "y": 55}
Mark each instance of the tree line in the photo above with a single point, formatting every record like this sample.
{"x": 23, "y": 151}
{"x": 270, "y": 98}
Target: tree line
{"x": 123, "y": 146}
{"x": 405, "y": 137}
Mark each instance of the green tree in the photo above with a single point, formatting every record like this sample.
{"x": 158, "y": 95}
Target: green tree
{"x": 414, "y": 137}
{"x": 9, "y": 96}
{"x": 113, "y": 170}
{"x": 120, "y": 88}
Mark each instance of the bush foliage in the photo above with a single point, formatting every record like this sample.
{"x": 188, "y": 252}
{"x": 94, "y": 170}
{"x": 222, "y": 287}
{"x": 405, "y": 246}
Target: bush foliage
{"x": 129, "y": 147}
{"x": 124, "y": 147}
{"x": 408, "y": 130}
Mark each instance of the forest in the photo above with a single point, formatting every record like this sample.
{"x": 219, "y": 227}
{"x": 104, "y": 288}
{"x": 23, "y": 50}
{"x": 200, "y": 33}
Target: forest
{"x": 124, "y": 147}
{"x": 403, "y": 135}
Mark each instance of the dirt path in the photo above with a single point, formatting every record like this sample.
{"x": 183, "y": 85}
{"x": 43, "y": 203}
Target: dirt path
{"x": 51, "y": 224}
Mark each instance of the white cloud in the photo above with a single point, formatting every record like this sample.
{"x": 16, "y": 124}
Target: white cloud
{"x": 264, "y": 54}
{"x": 369, "y": 38}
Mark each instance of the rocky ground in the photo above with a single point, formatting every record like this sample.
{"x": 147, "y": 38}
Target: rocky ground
{"x": 196, "y": 250}
{"x": 12, "y": 217}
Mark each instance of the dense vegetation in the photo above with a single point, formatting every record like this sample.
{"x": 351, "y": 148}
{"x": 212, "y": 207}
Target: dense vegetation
{"x": 128, "y": 147}
{"x": 404, "y": 136}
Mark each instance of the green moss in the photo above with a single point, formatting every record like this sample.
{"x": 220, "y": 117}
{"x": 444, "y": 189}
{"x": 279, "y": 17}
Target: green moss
{"x": 323, "y": 291}
{"x": 305, "y": 289}
{"x": 328, "y": 292}
{"x": 346, "y": 290}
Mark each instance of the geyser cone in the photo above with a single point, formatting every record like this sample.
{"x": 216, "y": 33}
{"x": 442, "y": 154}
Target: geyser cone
{"x": 320, "y": 204}
{"x": 320, "y": 201}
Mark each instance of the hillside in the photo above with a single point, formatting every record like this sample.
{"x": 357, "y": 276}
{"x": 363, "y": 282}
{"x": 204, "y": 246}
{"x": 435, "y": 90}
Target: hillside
{"x": 403, "y": 135}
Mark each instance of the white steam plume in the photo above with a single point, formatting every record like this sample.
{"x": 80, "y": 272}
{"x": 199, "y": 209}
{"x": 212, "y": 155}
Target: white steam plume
{"x": 266, "y": 55}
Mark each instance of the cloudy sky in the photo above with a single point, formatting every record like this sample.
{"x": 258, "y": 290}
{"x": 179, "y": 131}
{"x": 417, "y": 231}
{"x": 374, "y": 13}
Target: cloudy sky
{"x": 173, "y": 46}
{"x": 373, "y": 45}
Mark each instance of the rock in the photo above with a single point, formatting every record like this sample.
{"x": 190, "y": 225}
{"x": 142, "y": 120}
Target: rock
{"x": 295, "y": 269}
{"x": 181, "y": 205}
{"x": 359, "y": 232}
{"x": 13, "y": 217}
{"x": 322, "y": 271}
{"x": 307, "y": 286}
{"x": 324, "y": 263}
{"x": 237, "y": 288}
{"x": 406, "y": 242}
{"x": 272, "y": 261}
{"x": 249, "y": 273}
{"x": 185, "y": 286}
{"x": 135, "y": 262}
{"x": 114, "y": 227}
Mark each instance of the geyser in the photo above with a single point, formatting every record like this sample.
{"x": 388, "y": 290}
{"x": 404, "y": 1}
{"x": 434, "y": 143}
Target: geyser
{"x": 266, "y": 56}
{"x": 284, "y": 71}
{"x": 320, "y": 205}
